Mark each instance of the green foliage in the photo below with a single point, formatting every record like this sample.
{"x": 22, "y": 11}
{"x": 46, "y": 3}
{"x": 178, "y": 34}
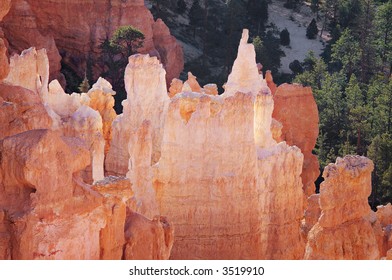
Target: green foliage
{"x": 346, "y": 52}
{"x": 296, "y": 67}
{"x": 383, "y": 25}
{"x": 380, "y": 151}
{"x": 284, "y": 37}
{"x": 125, "y": 42}
{"x": 268, "y": 51}
{"x": 312, "y": 30}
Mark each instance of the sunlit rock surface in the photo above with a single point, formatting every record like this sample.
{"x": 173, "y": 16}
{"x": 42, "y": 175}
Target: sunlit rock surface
{"x": 343, "y": 230}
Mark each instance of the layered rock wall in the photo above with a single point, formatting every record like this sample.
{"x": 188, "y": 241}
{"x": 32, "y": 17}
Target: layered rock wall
{"x": 219, "y": 173}
{"x": 72, "y": 29}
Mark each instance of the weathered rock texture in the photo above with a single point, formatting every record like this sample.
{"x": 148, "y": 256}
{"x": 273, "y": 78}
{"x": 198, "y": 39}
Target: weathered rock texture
{"x": 37, "y": 186}
{"x": 384, "y": 228}
{"x": 101, "y": 100}
{"x": 73, "y": 29}
{"x": 21, "y": 110}
{"x": 147, "y": 239}
{"x": 116, "y": 192}
{"x": 296, "y": 109}
{"x": 343, "y": 230}
{"x": 146, "y": 100}
{"x": 50, "y": 213}
{"x": 226, "y": 202}
{"x": 5, "y": 5}
{"x": 313, "y": 211}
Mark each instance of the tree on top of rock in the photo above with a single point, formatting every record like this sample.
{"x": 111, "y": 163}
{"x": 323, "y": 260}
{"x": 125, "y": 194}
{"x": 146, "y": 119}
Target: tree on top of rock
{"x": 126, "y": 41}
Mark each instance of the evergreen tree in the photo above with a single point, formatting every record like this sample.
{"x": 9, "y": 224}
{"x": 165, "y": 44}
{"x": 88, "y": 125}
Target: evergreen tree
{"x": 125, "y": 41}
{"x": 357, "y": 114}
{"x": 284, "y": 37}
{"x": 380, "y": 151}
{"x": 312, "y": 30}
{"x": 346, "y": 51}
{"x": 383, "y": 26}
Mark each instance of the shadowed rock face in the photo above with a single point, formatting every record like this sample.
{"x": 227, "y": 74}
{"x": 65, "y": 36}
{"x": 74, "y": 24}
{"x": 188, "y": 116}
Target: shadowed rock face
{"x": 74, "y": 30}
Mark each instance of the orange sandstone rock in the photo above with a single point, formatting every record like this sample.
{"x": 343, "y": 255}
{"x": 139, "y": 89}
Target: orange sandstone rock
{"x": 116, "y": 191}
{"x": 101, "y": 100}
{"x": 52, "y": 216}
{"x": 191, "y": 84}
{"x": 175, "y": 87}
{"x": 296, "y": 109}
{"x": 202, "y": 190}
{"x": 343, "y": 230}
{"x": 147, "y": 239}
{"x": 21, "y": 110}
{"x": 4, "y": 66}
{"x": 146, "y": 100}
{"x": 5, "y": 6}
{"x": 210, "y": 89}
{"x": 270, "y": 82}
{"x": 313, "y": 211}
{"x": 384, "y": 214}
{"x": 66, "y": 26}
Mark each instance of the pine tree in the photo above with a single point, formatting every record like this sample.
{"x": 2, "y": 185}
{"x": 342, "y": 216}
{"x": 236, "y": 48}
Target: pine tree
{"x": 383, "y": 26}
{"x": 285, "y": 37}
{"x": 312, "y": 30}
{"x": 347, "y": 52}
{"x": 357, "y": 113}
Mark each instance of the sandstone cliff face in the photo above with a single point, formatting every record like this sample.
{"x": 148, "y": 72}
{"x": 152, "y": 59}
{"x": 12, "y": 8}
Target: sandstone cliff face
{"x": 295, "y": 108}
{"x": 343, "y": 230}
{"x": 50, "y": 213}
{"x": 210, "y": 193}
{"x": 4, "y": 67}
{"x": 21, "y": 110}
{"x": 146, "y": 100}
{"x": 72, "y": 29}
{"x": 226, "y": 202}
{"x": 102, "y": 101}
{"x": 37, "y": 188}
